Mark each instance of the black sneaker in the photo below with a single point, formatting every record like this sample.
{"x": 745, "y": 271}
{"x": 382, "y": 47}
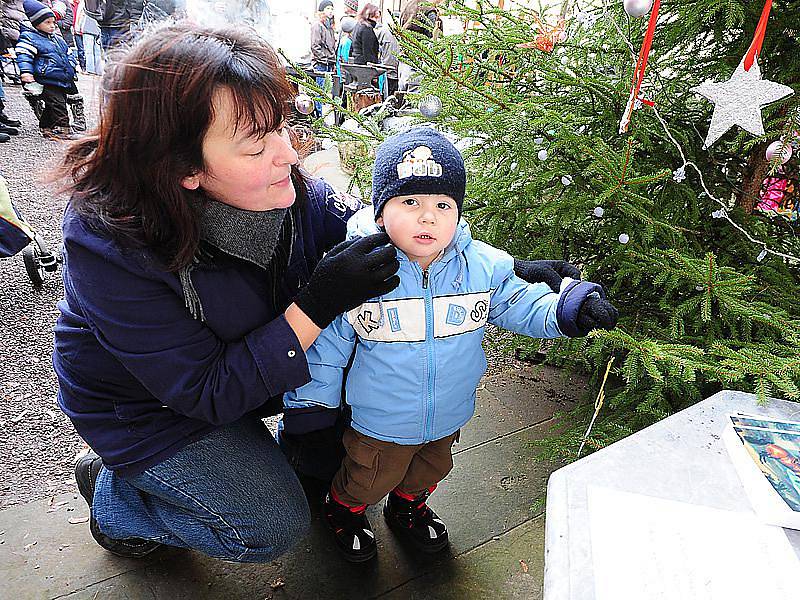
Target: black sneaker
{"x": 8, "y": 130}
{"x": 413, "y": 520}
{"x": 351, "y": 530}
{"x": 86, "y": 471}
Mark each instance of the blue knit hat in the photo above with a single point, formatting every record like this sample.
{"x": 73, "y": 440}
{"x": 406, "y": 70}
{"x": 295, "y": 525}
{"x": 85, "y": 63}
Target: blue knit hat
{"x": 418, "y": 161}
{"x": 36, "y": 11}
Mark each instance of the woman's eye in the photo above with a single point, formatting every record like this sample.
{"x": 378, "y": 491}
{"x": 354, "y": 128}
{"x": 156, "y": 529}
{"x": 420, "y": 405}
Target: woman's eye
{"x": 259, "y": 153}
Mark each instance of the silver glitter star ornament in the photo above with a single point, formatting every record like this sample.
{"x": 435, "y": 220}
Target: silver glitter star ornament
{"x": 739, "y": 101}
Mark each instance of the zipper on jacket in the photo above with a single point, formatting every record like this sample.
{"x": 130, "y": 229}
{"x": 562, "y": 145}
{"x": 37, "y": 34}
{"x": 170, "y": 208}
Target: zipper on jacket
{"x": 429, "y": 341}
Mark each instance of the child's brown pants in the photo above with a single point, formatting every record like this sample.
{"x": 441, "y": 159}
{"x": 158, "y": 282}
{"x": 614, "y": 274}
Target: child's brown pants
{"x": 373, "y": 468}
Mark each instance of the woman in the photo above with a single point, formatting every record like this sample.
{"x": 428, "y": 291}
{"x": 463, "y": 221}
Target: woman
{"x": 364, "y": 48}
{"x": 189, "y": 233}
{"x": 199, "y": 265}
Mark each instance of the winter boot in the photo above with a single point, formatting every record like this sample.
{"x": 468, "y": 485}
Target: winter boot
{"x": 5, "y": 119}
{"x": 36, "y": 102}
{"x": 86, "y": 471}
{"x": 75, "y": 103}
{"x": 351, "y": 530}
{"x": 8, "y": 130}
{"x": 412, "y": 519}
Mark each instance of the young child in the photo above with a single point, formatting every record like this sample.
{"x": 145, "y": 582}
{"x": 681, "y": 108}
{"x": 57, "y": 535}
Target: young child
{"x": 45, "y": 58}
{"x": 416, "y": 352}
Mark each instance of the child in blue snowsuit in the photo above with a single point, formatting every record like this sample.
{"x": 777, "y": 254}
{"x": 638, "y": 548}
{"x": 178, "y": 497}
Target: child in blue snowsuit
{"x": 44, "y": 57}
{"x": 416, "y": 351}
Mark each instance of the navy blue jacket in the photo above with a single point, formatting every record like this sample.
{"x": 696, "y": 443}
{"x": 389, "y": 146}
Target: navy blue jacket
{"x": 139, "y": 377}
{"x": 47, "y": 57}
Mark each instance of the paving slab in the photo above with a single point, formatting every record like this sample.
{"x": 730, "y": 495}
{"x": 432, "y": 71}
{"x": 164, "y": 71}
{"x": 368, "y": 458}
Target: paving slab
{"x": 507, "y": 567}
{"x": 493, "y": 491}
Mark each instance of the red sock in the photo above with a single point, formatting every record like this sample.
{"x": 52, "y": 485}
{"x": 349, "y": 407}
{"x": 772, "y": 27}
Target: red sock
{"x": 354, "y": 509}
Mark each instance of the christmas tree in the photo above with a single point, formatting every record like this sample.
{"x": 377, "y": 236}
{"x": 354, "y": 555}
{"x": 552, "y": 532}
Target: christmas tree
{"x": 699, "y": 248}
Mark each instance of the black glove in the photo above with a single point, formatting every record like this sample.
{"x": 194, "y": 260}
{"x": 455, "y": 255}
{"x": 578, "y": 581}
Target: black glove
{"x": 347, "y": 276}
{"x": 550, "y": 272}
{"x": 596, "y": 312}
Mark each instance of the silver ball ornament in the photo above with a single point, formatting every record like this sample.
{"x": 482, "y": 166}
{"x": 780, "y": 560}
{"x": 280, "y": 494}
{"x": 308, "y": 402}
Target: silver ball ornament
{"x": 430, "y": 107}
{"x": 566, "y": 180}
{"x": 624, "y": 238}
{"x": 304, "y": 104}
{"x": 637, "y": 8}
{"x": 543, "y": 154}
{"x": 598, "y": 211}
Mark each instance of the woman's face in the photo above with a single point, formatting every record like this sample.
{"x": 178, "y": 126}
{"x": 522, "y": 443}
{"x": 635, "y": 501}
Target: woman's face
{"x": 243, "y": 171}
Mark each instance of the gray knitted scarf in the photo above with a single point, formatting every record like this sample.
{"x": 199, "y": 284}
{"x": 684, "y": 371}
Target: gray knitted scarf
{"x": 248, "y": 235}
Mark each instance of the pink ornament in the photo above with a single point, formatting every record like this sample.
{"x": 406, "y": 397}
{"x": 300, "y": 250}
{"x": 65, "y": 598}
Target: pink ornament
{"x": 779, "y": 151}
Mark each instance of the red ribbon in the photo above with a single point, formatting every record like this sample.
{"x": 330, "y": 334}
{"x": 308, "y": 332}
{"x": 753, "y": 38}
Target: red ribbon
{"x": 758, "y": 37}
{"x": 641, "y": 66}
{"x": 644, "y": 53}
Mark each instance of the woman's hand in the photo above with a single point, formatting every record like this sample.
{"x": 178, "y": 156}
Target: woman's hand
{"x": 26, "y": 78}
{"x": 550, "y": 272}
{"x": 347, "y": 276}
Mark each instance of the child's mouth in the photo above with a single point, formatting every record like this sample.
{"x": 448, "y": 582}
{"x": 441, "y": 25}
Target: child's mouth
{"x": 424, "y": 238}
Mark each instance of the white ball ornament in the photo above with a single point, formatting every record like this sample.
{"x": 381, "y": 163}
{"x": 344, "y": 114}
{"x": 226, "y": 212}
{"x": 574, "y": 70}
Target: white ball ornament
{"x": 566, "y": 180}
{"x": 430, "y": 106}
{"x": 624, "y": 238}
{"x": 304, "y": 104}
{"x": 779, "y": 151}
{"x": 637, "y": 8}
{"x": 543, "y": 154}
{"x": 598, "y": 211}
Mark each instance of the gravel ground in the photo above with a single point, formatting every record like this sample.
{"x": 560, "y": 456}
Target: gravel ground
{"x": 38, "y": 443}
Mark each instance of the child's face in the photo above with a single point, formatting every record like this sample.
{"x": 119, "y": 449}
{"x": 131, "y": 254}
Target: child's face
{"x": 421, "y": 225}
{"x": 47, "y": 26}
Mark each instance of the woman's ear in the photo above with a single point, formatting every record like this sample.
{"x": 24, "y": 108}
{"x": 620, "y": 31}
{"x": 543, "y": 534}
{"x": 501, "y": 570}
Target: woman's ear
{"x": 379, "y": 221}
{"x": 192, "y": 182}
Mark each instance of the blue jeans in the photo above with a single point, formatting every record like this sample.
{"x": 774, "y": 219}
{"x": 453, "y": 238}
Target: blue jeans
{"x": 94, "y": 59}
{"x": 111, "y": 36}
{"x": 230, "y": 495}
{"x": 81, "y": 53}
{"x": 321, "y": 83}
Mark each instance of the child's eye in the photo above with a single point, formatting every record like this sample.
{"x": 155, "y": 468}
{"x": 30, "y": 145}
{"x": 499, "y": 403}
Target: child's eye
{"x": 443, "y": 206}
{"x": 410, "y": 202}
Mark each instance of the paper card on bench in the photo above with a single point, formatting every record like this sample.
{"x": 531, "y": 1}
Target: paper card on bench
{"x": 645, "y": 547}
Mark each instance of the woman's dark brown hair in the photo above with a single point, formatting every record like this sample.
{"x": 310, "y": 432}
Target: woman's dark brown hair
{"x": 156, "y": 107}
{"x": 368, "y": 12}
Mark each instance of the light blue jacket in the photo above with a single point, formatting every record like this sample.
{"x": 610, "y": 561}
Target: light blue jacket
{"x": 418, "y": 355}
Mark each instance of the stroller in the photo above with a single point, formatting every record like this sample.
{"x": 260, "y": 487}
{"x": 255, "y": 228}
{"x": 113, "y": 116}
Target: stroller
{"x": 16, "y": 234}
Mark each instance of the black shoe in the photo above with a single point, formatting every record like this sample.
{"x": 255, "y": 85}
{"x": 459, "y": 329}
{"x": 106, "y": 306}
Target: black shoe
{"x": 8, "y": 130}
{"x": 86, "y": 471}
{"x": 5, "y": 119}
{"x": 4, "y": 138}
{"x": 351, "y": 530}
{"x": 414, "y": 521}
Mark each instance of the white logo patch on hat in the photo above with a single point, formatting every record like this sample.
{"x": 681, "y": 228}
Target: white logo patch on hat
{"x": 419, "y": 163}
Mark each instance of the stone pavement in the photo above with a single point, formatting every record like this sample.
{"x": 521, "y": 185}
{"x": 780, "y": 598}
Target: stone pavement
{"x": 492, "y": 502}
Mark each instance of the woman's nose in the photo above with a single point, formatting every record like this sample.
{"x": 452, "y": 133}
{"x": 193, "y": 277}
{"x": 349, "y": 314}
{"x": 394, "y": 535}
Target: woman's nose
{"x": 284, "y": 153}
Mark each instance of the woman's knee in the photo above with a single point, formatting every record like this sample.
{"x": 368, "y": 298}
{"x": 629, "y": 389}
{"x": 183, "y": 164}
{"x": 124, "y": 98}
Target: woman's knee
{"x": 272, "y": 535}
